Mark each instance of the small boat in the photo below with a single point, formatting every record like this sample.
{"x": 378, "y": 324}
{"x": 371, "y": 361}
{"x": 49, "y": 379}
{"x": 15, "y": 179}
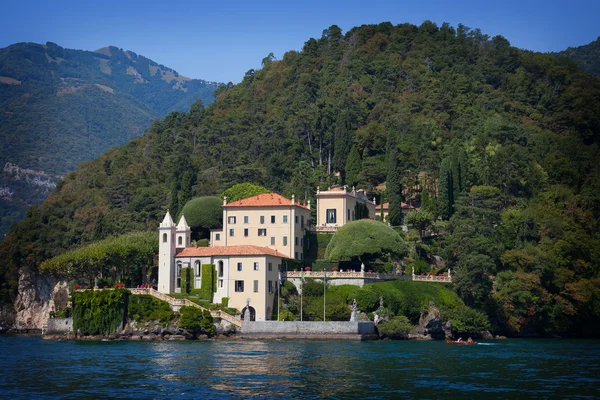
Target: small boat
{"x": 449, "y": 341}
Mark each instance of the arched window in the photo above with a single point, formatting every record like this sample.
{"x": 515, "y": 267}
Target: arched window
{"x": 197, "y": 268}
{"x": 220, "y": 269}
{"x": 178, "y": 274}
{"x": 179, "y": 241}
{"x": 164, "y": 238}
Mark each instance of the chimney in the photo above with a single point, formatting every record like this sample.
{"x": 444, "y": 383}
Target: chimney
{"x": 318, "y": 189}
{"x": 309, "y": 204}
{"x": 224, "y": 200}
{"x": 293, "y": 199}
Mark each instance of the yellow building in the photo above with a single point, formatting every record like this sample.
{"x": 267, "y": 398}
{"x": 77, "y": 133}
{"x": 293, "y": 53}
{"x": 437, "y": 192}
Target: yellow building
{"x": 246, "y": 274}
{"x": 267, "y": 220}
{"x": 336, "y": 207}
{"x": 386, "y": 210}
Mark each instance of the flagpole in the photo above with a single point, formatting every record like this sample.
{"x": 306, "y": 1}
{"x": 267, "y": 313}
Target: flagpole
{"x": 324, "y": 292}
{"x": 301, "y": 294}
{"x": 278, "y": 295}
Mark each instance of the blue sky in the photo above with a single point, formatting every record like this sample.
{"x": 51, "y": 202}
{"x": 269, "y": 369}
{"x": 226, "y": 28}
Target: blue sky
{"x": 220, "y": 40}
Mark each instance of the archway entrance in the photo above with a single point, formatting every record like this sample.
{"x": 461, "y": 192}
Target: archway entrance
{"x": 252, "y": 313}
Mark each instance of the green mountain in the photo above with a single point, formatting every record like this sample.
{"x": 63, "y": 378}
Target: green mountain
{"x": 587, "y": 57}
{"x": 60, "y": 107}
{"x": 499, "y": 145}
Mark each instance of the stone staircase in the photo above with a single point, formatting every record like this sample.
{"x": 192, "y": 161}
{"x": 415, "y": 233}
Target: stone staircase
{"x": 176, "y": 304}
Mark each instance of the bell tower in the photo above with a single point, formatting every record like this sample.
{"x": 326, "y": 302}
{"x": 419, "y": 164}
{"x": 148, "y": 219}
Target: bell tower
{"x": 166, "y": 255}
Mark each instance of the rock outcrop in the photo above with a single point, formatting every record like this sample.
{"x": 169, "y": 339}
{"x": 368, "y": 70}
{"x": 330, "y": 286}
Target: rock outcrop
{"x": 430, "y": 325}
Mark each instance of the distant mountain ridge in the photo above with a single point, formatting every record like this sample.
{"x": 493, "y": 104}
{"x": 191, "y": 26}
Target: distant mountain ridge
{"x": 60, "y": 107}
{"x": 587, "y": 57}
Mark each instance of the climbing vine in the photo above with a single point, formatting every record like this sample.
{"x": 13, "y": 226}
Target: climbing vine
{"x": 99, "y": 312}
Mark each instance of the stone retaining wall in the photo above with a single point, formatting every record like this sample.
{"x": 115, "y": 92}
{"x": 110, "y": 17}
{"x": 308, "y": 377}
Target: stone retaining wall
{"x": 333, "y": 330}
{"x": 58, "y": 326}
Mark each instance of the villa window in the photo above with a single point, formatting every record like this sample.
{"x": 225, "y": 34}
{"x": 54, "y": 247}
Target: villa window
{"x": 239, "y": 266}
{"x": 245, "y": 232}
{"x": 197, "y": 268}
{"x": 302, "y": 221}
{"x": 271, "y": 287}
{"x": 179, "y": 241}
{"x": 348, "y": 214}
{"x": 285, "y": 240}
{"x": 272, "y": 219}
{"x": 353, "y": 216}
{"x": 262, "y": 219}
{"x": 245, "y": 219}
{"x": 239, "y": 286}
{"x": 255, "y": 286}
{"x": 256, "y": 266}
{"x": 217, "y": 236}
{"x": 270, "y": 266}
{"x": 296, "y": 240}
{"x": 262, "y": 232}
{"x": 164, "y": 238}
{"x": 231, "y": 220}
{"x": 178, "y": 274}
{"x": 296, "y": 219}
{"x": 285, "y": 219}
{"x": 220, "y": 283}
{"x": 272, "y": 240}
{"x": 331, "y": 216}
{"x": 231, "y": 232}
{"x": 296, "y": 255}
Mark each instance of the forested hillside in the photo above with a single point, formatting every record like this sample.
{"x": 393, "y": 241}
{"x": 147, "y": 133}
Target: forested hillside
{"x": 587, "y": 57}
{"x": 59, "y": 107}
{"x": 504, "y": 142}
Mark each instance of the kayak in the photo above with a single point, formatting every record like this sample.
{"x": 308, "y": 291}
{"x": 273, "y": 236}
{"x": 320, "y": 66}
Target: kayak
{"x": 448, "y": 341}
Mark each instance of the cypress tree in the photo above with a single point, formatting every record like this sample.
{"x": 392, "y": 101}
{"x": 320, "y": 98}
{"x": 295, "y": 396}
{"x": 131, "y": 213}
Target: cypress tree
{"x": 353, "y": 167}
{"x": 393, "y": 183}
{"x": 342, "y": 143}
{"x": 445, "y": 189}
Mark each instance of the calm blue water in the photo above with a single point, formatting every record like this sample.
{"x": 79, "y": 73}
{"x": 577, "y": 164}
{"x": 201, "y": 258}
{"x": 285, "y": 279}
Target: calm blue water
{"x": 526, "y": 368}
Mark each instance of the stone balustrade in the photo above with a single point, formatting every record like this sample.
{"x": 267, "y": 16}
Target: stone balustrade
{"x": 364, "y": 275}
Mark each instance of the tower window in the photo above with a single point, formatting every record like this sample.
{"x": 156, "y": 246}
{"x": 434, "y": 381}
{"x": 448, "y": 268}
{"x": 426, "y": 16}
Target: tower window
{"x": 164, "y": 238}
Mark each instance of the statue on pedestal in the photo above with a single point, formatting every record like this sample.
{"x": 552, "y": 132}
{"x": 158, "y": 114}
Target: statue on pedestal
{"x": 362, "y": 267}
{"x": 354, "y": 312}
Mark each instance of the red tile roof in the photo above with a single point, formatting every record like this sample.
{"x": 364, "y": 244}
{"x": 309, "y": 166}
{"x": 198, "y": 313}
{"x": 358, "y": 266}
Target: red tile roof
{"x": 403, "y": 205}
{"x": 244, "y": 250}
{"x": 264, "y": 200}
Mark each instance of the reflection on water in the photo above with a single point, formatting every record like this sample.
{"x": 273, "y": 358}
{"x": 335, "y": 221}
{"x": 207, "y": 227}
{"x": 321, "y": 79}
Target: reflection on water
{"x": 32, "y": 368}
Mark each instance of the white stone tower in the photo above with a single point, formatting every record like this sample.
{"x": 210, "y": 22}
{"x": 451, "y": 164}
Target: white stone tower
{"x": 166, "y": 255}
{"x": 183, "y": 234}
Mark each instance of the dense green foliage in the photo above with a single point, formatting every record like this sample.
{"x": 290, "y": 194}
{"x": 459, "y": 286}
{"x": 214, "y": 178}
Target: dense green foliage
{"x": 396, "y": 328}
{"x": 130, "y": 255}
{"x": 209, "y": 284}
{"x": 60, "y": 107}
{"x": 203, "y": 214}
{"x": 243, "y": 191}
{"x": 145, "y": 308}
{"x": 587, "y": 57}
{"x": 187, "y": 280}
{"x": 365, "y": 239}
{"x": 196, "y": 321}
{"x": 523, "y": 126}
{"x": 99, "y": 312}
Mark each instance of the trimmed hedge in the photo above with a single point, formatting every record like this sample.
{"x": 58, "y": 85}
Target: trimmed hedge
{"x": 143, "y": 308}
{"x": 99, "y": 312}
{"x": 317, "y": 245}
{"x": 187, "y": 280}
{"x": 209, "y": 282}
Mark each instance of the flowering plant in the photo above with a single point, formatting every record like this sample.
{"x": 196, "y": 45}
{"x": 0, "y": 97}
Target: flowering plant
{"x": 307, "y": 268}
{"x": 335, "y": 269}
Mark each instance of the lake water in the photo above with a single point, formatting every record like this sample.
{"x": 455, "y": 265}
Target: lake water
{"x": 219, "y": 369}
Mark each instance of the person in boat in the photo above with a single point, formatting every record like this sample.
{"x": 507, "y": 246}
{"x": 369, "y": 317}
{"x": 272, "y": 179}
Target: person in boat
{"x": 470, "y": 341}
{"x": 459, "y": 340}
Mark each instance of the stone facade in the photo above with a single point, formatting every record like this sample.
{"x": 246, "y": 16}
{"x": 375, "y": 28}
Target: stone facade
{"x": 318, "y": 330}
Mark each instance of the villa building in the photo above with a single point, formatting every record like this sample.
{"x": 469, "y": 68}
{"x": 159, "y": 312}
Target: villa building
{"x": 337, "y": 206}
{"x": 385, "y": 208}
{"x": 258, "y": 234}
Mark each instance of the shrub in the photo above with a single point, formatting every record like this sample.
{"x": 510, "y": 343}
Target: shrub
{"x": 187, "y": 282}
{"x": 144, "y": 308}
{"x": 225, "y": 301}
{"x": 467, "y": 320}
{"x": 312, "y": 288}
{"x": 366, "y": 298}
{"x": 396, "y": 328}
{"x": 288, "y": 288}
{"x": 209, "y": 276}
{"x": 285, "y": 315}
{"x": 196, "y": 321}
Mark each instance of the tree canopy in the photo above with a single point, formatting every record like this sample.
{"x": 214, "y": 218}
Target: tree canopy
{"x": 202, "y": 214}
{"x": 364, "y": 239}
{"x": 243, "y": 191}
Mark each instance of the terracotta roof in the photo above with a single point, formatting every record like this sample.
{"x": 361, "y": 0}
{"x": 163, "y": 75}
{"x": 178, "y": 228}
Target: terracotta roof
{"x": 403, "y": 205}
{"x": 264, "y": 200}
{"x": 245, "y": 250}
